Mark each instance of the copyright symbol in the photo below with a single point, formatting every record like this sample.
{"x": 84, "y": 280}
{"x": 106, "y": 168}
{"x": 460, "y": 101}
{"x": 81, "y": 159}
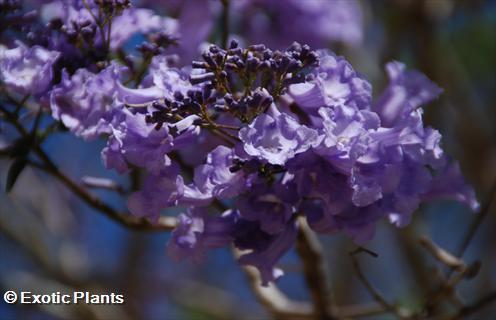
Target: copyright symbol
{"x": 10, "y": 297}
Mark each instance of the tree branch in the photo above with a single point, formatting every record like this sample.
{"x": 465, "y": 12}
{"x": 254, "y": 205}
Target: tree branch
{"x": 47, "y": 165}
{"x": 399, "y": 312}
{"x": 483, "y": 212}
{"x": 442, "y": 255}
{"x": 126, "y": 220}
{"x": 310, "y": 252}
{"x": 274, "y": 300}
{"x": 479, "y": 304}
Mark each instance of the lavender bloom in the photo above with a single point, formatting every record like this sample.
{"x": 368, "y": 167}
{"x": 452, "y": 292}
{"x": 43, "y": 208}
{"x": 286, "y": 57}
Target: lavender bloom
{"x": 279, "y": 23}
{"x": 344, "y": 172}
{"x": 159, "y": 191}
{"x": 388, "y": 170}
{"x": 136, "y": 142}
{"x": 197, "y": 232}
{"x": 372, "y": 169}
{"x": 394, "y": 167}
{"x": 345, "y": 131}
{"x": 137, "y": 20}
{"x": 195, "y": 24}
{"x": 126, "y": 21}
{"x": 407, "y": 91}
{"x": 277, "y": 138}
{"x": 357, "y": 223}
{"x": 27, "y": 70}
{"x": 272, "y": 206}
{"x": 215, "y": 179}
{"x": 310, "y": 141}
{"x": 335, "y": 84}
{"x": 167, "y": 78}
{"x": 449, "y": 184}
{"x": 161, "y": 83}
{"x": 85, "y": 102}
{"x": 266, "y": 249}
{"x": 327, "y": 199}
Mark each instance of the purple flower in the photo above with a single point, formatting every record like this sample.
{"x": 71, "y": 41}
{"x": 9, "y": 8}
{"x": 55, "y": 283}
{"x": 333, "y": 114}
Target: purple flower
{"x": 449, "y": 184}
{"x": 195, "y": 24}
{"x": 85, "y": 102}
{"x": 215, "y": 179}
{"x": 137, "y": 20}
{"x": 272, "y": 206}
{"x": 358, "y": 223}
{"x": 129, "y": 22}
{"x": 399, "y": 168}
{"x": 266, "y": 249}
{"x": 197, "y": 232}
{"x": 279, "y": 23}
{"x": 277, "y": 137}
{"x": 327, "y": 199}
{"x": 159, "y": 191}
{"x": 335, "y": 84}
{"x": 135, "y": 141}
{"x": 407, "y": 91}
{"x": 161, "y": 83}
{"x": 27, "y": 70}
{"x": 386, "y": 167}
{"x": 346, "y": 134}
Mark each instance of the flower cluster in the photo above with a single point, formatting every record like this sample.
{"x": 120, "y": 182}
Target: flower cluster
{"x": 247, "y": 139}
{"x": 289, "y": 133}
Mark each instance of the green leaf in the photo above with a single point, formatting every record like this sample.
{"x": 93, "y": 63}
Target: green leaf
{"x": 14, "y": 171}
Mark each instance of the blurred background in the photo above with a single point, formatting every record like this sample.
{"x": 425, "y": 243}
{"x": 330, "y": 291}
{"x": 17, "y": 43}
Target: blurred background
{"x": 51, "y": 241}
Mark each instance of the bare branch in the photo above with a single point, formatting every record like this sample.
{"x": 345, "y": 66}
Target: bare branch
{"x": 126, "y": 220}
{"x": 310, "y": 252}
{"x": 101, "y": 183}
{"x": 483, "y": 212}
{"x": 476, "y": 306}
{"x": 358, "y": 311}
{"x": 399, "y": 312}
{"x": 442, "y": 255}
{"x": 274, "y": 300}
{"x": 370, "y": 288}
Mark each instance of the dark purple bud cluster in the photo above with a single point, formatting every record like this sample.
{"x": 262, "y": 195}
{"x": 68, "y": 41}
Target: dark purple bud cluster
{"x": 9, "y": 6}
{"x": 162, "y": 112}
{"x": 249, "y": 106}
{"x": 181, "y": 106}
{"x": 112, "y": 8}
{"x": 256, "y": 66}
{"x": 157, "y": 44}
{"x": 250, "y": 79}
{"x": 77, "y": 31}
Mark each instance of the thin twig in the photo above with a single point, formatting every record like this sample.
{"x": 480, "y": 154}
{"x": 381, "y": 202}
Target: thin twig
{"x": 399, "y": 312}
{"x": 102, "y": 183}
{"x": 370, "y": 288}
{"x": 442, "y": 255}
{"x": 483, "y": 212}
{"x": 127, "y": 220}
{"x": 476, "y": 306}
{"x": 447, "y": 286}
{"x": 274, "y": 300}
{"x": 97, "y": 21}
